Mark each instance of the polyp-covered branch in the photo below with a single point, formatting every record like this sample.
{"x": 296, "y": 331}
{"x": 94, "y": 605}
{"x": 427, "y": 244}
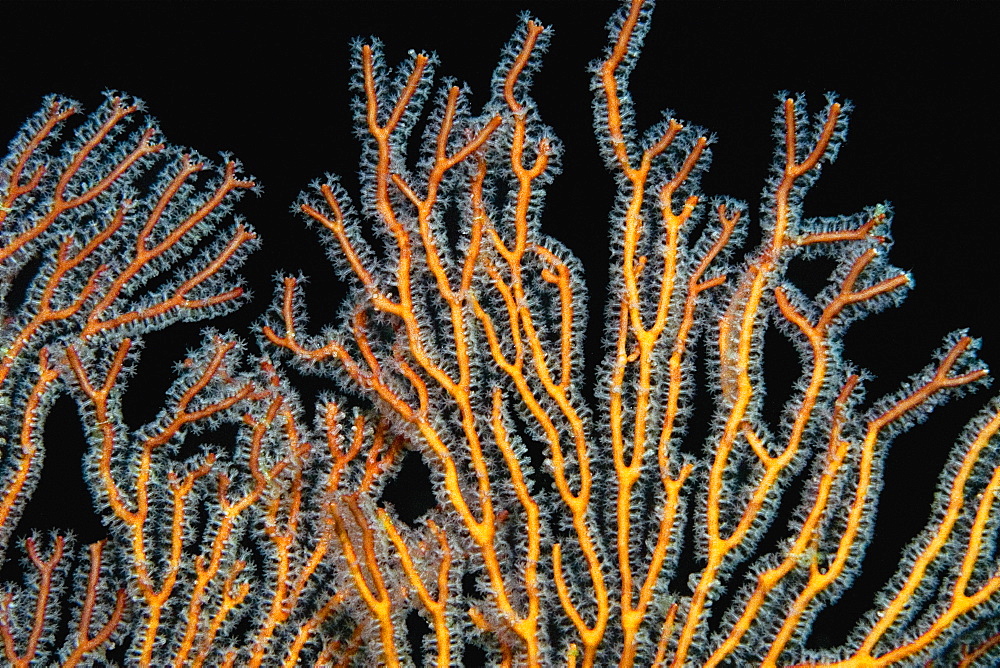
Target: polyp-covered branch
{"x": 93, "y": 282}
{"x": 153, "y": 504}
{"x": 78, "y": 210}
{"x": 232, "y": 554}
{"x": 29, "y": 615}
{"x": 442, "y": 335}
{"x": 455, "y": 341}
{"x": 661, "y": 299}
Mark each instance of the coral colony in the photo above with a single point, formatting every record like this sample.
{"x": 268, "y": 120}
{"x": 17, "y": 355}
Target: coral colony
{"x": 574, "y": 524}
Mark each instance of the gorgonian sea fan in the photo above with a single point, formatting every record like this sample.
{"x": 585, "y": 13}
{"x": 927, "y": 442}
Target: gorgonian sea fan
{"x": 659, "y": 515}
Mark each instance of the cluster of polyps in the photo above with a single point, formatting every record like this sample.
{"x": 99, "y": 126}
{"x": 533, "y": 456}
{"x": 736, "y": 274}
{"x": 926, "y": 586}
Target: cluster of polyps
{"x": 563, "y": 515}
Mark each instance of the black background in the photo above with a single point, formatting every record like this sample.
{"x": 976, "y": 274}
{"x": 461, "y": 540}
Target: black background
{"x": 269, "y": 83}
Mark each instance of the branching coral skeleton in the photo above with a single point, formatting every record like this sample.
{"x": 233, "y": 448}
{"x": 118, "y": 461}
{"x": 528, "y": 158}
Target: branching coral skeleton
{"x": 569, "y": 510}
